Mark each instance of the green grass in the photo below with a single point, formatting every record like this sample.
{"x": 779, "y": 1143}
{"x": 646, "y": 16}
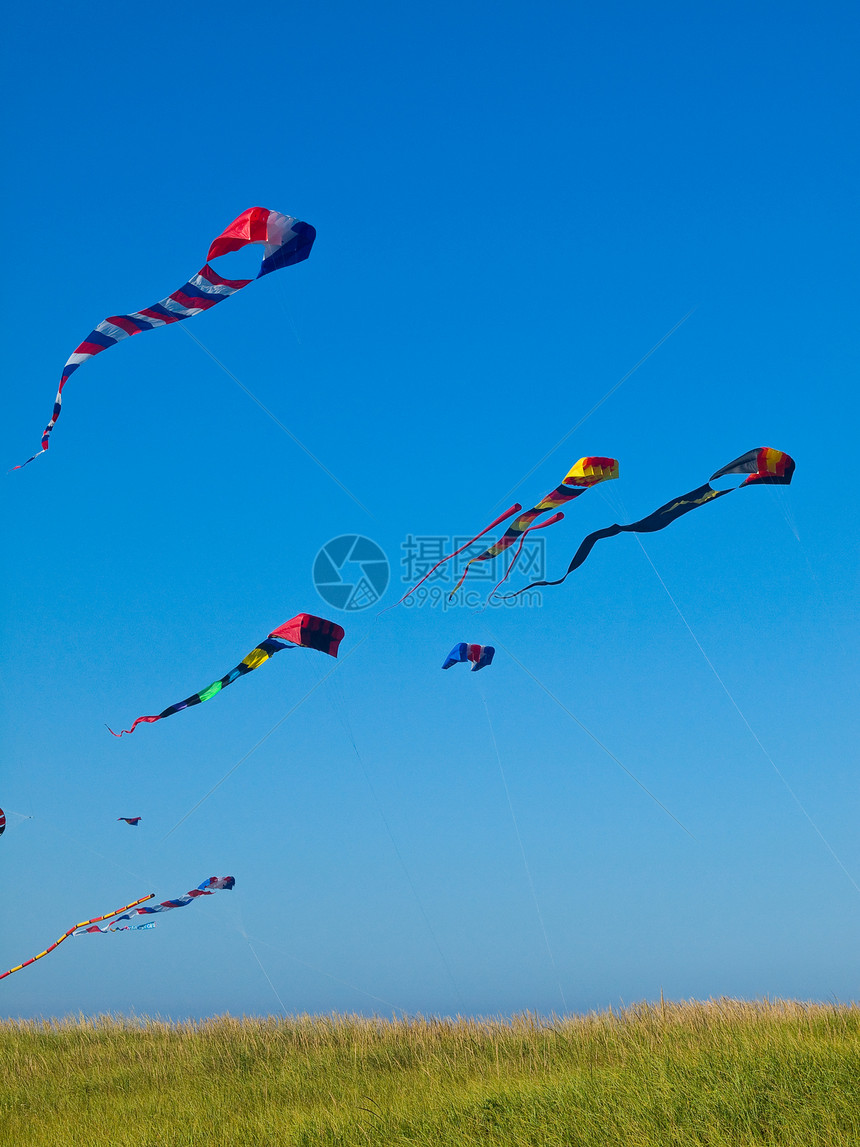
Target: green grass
{"x": 715, "y": 1073}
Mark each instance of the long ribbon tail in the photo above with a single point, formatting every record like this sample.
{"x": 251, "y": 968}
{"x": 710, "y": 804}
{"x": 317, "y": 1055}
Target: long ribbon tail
{"x": 509, "y": 513}
{"x": 549, "y": 522}
{"x": 258, "y": 655}
{"x": 658, "y": 520}
{"x": 462, "y": 578}
{"x": 202, "y": 291}
{"x": 21, "y": 466}
{"x": 208, "y": 888}
{"x": 69, "y": 931}
{"x": 585, "y": 548}
{"x": 149, "y": 720}
{"x": 287, "y": 241}
{"x": 488, "y": 553}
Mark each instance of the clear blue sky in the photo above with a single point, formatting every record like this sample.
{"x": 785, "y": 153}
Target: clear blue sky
{"x": 513, "y": 204}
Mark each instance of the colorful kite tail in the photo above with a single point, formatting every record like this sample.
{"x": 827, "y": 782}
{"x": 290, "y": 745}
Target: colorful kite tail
{"x": 763, "y": 466}
{"x": 206, "y": 888}
{"x": 585, "y": 547}
{"x": 583, "y": 474}
{"x": 488, "y": 553}
{"x": 68, "y": 932}
{"x": 509, "y": 513}
{"x": 305, "y": 630}
{"x": 113, "y": 928}
{"x": 540, "y": 525}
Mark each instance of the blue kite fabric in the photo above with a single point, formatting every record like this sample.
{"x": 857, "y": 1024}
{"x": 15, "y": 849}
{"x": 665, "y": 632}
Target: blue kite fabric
{"x": 479, "y": 655}
{"x": 285, "y": 241}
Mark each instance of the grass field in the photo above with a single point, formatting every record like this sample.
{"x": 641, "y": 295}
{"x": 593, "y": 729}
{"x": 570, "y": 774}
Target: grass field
{"x": 722, "y": 1072}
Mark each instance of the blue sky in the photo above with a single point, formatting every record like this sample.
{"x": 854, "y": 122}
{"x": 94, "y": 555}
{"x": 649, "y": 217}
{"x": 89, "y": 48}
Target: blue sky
{"x": 512, "y": 207}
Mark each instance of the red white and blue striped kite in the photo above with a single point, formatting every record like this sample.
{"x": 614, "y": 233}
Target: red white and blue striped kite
{"x": 285, "y": 241}
{"x": 304, "y": 630}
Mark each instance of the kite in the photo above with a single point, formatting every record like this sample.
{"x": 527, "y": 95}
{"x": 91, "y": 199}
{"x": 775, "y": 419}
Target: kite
{"x": 765, "y": 467}
{"x": 585, "y": 473}
{"x": 302, "y": 630}
{"x": 134, "y": 821}
{"x": 73, "y": 929}
{"x": 479, "y": 655}
{"x": 2, "y": 821}
{"x": 285, "y": 241}
{"x": 206, "y": 888}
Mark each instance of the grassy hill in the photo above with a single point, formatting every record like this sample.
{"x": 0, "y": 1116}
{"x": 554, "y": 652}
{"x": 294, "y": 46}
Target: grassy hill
{"x": 716, "y": 1073}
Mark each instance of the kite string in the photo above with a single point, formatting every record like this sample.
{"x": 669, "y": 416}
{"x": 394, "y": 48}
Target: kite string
{"x": 240, "y": 928}
{"x": 594, "y": 738}
{"x": 277, "y": 421}
{"x": 601, "y": 401}
{"x": 781, "y": 495}
{"x": 19, "y": 816}
{"x": 265, "y": 973}
{"x": 328, "y": 975}
{"x": 749, "y": 727}
{"x": 343, "y": 717}
{"x": 515, "y": 509}
{"x": 523, "y": 852}
{"x": 276, "y": 726}
{"x": 88, "y": 848}
{"x": 528, "y": 530}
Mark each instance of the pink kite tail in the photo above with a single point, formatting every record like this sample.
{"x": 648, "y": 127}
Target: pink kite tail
{"x": 509, "y": 513}
{"x": 134, "y": 726}
{"x": 549, "y": 522}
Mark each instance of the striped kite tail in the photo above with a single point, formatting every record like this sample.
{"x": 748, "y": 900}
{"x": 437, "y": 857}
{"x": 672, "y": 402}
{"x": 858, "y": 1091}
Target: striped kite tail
{"x": 69, "y": 931}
